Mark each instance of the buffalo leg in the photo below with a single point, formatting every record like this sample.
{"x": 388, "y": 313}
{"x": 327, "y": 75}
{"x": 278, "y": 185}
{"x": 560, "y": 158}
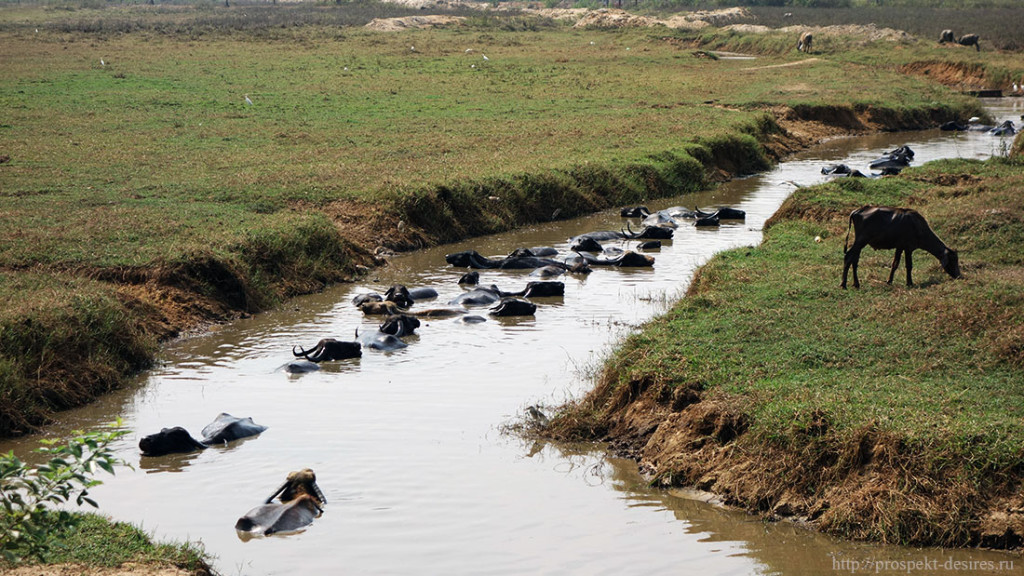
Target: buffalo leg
{"x": 910, "y": 265}
{"x": 851, "y": 258}
{"x": 896, "y": 263}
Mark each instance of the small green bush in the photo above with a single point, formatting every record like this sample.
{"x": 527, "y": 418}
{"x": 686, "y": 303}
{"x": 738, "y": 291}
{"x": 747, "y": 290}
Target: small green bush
{"x": 30, "y": 497}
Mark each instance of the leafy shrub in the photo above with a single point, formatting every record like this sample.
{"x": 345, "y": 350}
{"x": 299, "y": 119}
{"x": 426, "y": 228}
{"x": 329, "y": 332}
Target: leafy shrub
{"x": 31, "y": 498}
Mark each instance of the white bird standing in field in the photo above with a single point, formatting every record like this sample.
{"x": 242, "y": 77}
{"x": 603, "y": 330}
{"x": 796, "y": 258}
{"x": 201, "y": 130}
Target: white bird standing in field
{"x": 413, "y": 48}
{"x": 486, "y": 58}
{"x": 247, "y": 101}
{"x": 102, "y": 63}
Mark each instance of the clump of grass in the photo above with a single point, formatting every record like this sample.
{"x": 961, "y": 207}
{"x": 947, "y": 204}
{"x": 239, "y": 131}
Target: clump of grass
{"x": 97, "y": 541}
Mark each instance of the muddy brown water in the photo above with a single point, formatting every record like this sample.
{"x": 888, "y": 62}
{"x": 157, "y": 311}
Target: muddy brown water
{"x": 409, "y": 447}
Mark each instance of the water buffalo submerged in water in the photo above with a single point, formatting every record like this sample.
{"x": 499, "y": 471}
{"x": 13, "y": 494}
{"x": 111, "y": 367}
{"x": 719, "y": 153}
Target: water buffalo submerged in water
{"x": 513, "y": 307}
{"x": 177, "y": 440}
{"x": 627, "y": 259}
{"x": 487, "y": 295}
{"x": 1005, "y": 129}
{"x": 635, "y": 212}
{"x": 300, "y": 501}
{"x": 646, "y": 233}
{"x": 904, "y": 229}
{"x": 169, "y": 441}
{"x": 400, "y": 325}
{"x": 329, "y": 349}
{"x": 473, "y": 259}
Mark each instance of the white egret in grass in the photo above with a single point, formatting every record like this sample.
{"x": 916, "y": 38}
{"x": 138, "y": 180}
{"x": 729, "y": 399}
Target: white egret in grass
{"x": 247, "y": 101}
{"x": 486, "y": 58}
{"x": 102, "y": 63}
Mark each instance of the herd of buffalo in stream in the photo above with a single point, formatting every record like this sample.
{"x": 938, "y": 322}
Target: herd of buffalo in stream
{"x": 298, "y": 501}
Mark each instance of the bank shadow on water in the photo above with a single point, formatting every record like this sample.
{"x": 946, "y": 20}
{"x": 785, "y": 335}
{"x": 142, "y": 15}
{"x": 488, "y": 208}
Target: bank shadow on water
{"x": 407, "y": 445}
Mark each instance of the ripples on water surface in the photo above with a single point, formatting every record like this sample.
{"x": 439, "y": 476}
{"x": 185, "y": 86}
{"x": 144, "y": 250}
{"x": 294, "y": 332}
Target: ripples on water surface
{"x": 407, "y": 445}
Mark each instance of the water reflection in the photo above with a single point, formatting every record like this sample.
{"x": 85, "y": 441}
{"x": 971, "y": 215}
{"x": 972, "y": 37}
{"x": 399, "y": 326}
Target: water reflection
{"x": 168, "y": 463}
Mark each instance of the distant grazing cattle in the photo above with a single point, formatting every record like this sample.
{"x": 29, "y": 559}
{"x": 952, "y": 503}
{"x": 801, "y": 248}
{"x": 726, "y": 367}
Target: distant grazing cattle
{"x": 970, "y": 40}
{"x": 804, "y": 45}
{"x": 904, "y": 229}
{"x": 946, "y": 36}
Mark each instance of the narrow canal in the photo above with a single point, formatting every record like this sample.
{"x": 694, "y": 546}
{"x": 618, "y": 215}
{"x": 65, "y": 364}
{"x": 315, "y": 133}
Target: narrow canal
{"x": 409, "y": 448}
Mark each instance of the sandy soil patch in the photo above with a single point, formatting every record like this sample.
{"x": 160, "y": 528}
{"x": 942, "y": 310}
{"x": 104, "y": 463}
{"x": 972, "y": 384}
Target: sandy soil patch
{"x": 786, "y": 65}
{"x": 410, "y": 22}
{"x": 864, "y": 33}
{"x": 614, "y": 18}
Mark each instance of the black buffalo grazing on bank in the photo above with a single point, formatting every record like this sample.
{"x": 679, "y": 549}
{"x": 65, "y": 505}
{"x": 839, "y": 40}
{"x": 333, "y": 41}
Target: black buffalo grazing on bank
{"x": 970, "y": 40}
{"x": 804, "y": 45}
{"x": 904, "y": 229}
{"x": 946, "y": 36}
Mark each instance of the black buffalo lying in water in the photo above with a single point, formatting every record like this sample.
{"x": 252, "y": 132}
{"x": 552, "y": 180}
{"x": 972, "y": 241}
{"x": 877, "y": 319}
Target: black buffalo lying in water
{"x": 841, "y": 170}
{"x": 398, "y": 295}
{"x": 473, "y": 259}
{"x": 400, "y": 325}
{"x": 300, "y": 501}
{"x": 627, "y": 259}
{"x": 486, "y": 295}
{"x": 646, "y": 233}
{"x": 537, "y": 251}
{"x": 894, "y": 160}
{"x": 513, "y": 307}
{"x": 635, "y": 212}
{"x": 177, "y": 440}
{"x": 329, "y": 349}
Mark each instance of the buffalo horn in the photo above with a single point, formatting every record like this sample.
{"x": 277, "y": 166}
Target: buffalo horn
{"x": 319, "y": 494}
{"x": 276, "y": 492}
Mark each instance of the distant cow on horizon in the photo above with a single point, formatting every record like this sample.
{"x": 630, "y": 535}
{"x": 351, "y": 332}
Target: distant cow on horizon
{"x": 970, "y": 40}
{"x": 804, "y": 45}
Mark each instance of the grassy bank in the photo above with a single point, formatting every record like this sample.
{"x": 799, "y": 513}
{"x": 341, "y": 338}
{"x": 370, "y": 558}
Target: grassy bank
{"x": 141, "y": 195}
{"x": 93, "y": 544}
{"x": 886, "y": 413}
